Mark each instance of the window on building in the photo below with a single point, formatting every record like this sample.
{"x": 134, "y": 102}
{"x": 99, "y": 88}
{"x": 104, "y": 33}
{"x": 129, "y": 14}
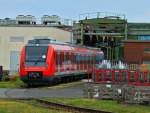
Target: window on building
{"x": 146, "y": 62}
{"x": 144, "y": 37}
{"x": 16, "y": 39}
{"x": 147, "y": 50}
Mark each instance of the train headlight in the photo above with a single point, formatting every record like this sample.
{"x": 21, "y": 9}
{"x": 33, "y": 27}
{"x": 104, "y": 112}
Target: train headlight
{"x": 43, "y": 56}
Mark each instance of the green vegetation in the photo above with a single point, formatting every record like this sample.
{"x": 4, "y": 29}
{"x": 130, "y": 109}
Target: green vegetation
{"x": 105, "y": 105}
{"x": 16, "y": 83}
{"x": 9, "y": 106}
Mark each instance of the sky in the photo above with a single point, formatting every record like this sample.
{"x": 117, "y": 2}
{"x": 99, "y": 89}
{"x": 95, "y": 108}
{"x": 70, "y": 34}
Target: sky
{"x": 135, "y": 10}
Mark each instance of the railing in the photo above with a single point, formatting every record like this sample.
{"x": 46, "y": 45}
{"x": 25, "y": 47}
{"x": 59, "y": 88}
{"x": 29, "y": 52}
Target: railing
{"x": 101, "y": 15}
{"x": 130, "y": 77}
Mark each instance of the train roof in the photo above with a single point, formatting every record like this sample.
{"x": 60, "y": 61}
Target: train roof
{"x": 59, "y": 46}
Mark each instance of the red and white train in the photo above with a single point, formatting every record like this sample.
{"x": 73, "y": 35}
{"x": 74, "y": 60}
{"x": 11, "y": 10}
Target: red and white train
{"x": 44, "y": 62}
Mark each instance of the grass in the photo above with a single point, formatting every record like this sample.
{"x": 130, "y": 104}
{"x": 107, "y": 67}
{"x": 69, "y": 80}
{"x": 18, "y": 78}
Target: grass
{"x": 106, "y": 105}
{"x": 10, "y": 106}
{"x": 17, "y": 83}
{"x": 12, "y": 83}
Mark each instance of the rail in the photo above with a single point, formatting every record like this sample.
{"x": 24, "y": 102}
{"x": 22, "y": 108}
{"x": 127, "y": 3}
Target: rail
{"x": 64, "y": 107}
{"x": 69, "y": 107}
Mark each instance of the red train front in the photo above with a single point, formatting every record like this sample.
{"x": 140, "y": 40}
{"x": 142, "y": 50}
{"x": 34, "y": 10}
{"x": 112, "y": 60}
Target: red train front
{"x": 43, "y": 62}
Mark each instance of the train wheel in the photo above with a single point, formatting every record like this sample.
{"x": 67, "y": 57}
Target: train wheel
{"x": 71, "y": 78}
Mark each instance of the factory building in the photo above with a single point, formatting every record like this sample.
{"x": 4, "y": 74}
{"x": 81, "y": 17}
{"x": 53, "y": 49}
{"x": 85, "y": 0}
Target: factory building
{"x": 137, "y": 51}
{"x": 112, "y": 33}
{"x": 7, "y": 21}
{"x": 52, "y": 20}
{"x": 28, "y": 19}
{"x": 104, "y": 30}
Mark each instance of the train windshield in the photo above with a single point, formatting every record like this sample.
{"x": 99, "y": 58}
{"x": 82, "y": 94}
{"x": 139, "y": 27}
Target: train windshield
{"x": 35, "y": 53}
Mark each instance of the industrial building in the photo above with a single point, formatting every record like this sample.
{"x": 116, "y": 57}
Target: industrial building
{"x": 13, "y": 36}
{"x": 28, "y": 19}
{"x": 108, "y": 32}
{"x": 137, "y": 51}
{"x": 54, "y": 19}
{"x": 104, "y": 31}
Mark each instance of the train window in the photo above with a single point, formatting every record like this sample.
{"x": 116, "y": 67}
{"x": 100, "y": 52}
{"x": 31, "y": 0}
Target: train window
{"x": 65, "y": 57}
{"x": 62, "y": 58}
{"x": 68, "y": 56}
{"x": 35, "y": 53}
{"x": 72, "y": 58}
{"x": 92, "y": 59}
{"x": 77, "y": 58}
{"x": 82, "y": 59}
{"x": 88, "y": 59}
{"x": 58, "y": 58}
{"x": 85, "y": 58}
{"x": 98, "y": 58}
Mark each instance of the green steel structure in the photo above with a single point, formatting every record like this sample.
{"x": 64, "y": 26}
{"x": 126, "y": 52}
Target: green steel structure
{"x": 105, "y": 31}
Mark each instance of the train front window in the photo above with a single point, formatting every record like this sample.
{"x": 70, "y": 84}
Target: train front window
{"x": 35, "y": 53}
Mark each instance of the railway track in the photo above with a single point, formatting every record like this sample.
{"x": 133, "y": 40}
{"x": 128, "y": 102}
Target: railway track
{"x": 64, "y": 107}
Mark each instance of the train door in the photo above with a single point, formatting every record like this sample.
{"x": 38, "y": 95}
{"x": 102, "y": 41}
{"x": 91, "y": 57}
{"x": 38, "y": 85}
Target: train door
{"x": 84, "y": 62}
{"x": 57, "y": 58}
{"x": 81, "y": 59}
{"x": 81, "y": 62}
{"x": 87, "y": 62}
{"x": 73, "y": 61}
{"x": 62, "y": 58}
{"x": 67, "y": 61}
{"x": 77, "y": 59}
{"x": 70, "y": 61}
